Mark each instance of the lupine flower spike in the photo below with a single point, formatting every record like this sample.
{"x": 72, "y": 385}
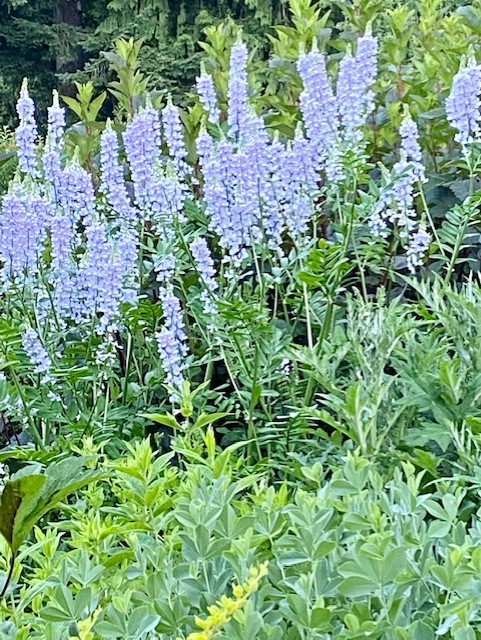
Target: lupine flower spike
{"x": 52, "y": 157}
{"x": 207, "y": 95}
{"x": 355, "y": 98}
{"x": 205, "y": 267}
{"x": 171, "y": 341}
{"x": 113, "y": 183}
{"x": 239, "y": 114}
{"x": 36, "y": 352}
{"x": 172, "y": 126}
{"x": 318, "y": 103}
{"x": 26, "y": 133}
{"x": 463, "y": 103}
{"x": 396, "y": 203}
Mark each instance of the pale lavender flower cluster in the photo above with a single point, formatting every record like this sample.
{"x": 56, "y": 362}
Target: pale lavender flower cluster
{"x": 104, "y": 279}
{"x": 396, "y": 203}
{"x": 298, "y": 183}
{"x": 75, "y": 193}
{"x": 172, "y": 342}
{"x": 52, "y": 156}
{"x": 333, "y": 122}
{"x": 417, "y": 247}
{"x": 106, "y": 353}
{"x": 255, "y": 188}
{"x": 354, "y": 96}
{"x": 26, "y": 133}
{"x": 159, "y": 190}
{"x": 23, "y": 228}
{"x": 172, "y": 127}
{"x": 92, "y": 267}
{"x": 232, "y": 190}
{"x": 411, "y": 148}
{"x": 126, "y": 250}
{"x": 219, "y": 183}
{"x": 142, "y": 144}
{"x": 208, "y": 96}
{"x": 463, "y": 103}
{"x": 36, "y": 352}
{"x": 75, "y": 206}
{"x": 240, "y": 116}
{"x": 112, "y": 177}
{"x": 205, "y": 267}
{"x": 75, "y": 200}
{"x": 318, "y": 103}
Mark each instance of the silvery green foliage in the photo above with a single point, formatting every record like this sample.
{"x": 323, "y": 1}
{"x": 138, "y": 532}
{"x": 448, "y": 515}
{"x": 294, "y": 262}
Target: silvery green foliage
{"x": 351, "y": 555}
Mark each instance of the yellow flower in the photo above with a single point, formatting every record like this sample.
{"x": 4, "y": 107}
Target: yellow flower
{"x": 226, "y": 608}
{"x": 85, "y": 627}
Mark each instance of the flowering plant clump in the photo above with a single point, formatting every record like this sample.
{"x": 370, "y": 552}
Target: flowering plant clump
{"x": 174, "y": 260}
{"x": 240, "y": 340}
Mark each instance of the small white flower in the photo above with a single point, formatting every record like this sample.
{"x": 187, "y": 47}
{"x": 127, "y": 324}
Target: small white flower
{"x": 3, "y": 477}
{"x": 286, "y": 366}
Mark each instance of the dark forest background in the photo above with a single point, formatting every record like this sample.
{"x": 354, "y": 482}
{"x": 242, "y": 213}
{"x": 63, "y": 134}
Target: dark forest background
{"x": 55, "y": 42}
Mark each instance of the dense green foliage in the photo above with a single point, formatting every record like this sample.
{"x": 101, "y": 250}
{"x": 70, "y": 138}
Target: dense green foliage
{"x": 317, "y": 475}
{"x": 47, "y": 40}
{"x": 350, "y": 555}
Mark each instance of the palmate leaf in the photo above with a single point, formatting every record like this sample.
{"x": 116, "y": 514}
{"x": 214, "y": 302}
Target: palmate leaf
{"x": 32, "y": 492}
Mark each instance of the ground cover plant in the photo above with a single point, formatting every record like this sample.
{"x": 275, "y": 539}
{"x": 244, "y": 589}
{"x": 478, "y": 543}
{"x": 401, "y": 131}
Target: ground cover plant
{"x": 240, "y": 346}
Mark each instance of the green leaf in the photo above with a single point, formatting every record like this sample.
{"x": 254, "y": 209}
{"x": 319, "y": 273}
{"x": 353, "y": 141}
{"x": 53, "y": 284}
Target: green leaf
{"x": 421, "y": 631}
{"x": 96, "y": 105}
{"x": 29, "y": 495}
{"x": 54, "y": 614}
{"x": 320, "y": 617}
{"x": 141, "y": 621}
{"x": 166, "y": 419}
{"x": 74, "y": 105}
{"x": 18, "y": 499}
{"x": 357, "y": 586}
{"x": 208, "y": 418}
{"x": 393, "y": 564}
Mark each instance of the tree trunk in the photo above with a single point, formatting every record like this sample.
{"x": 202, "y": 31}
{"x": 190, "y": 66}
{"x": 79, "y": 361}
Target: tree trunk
{"x": 69, "y": 12}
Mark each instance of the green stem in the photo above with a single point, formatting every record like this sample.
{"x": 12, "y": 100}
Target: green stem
{"x": 251, "y": 428}
{"x": 457, "y": 246}
{"x": 35, "y": 432}
{"x": 9, "y": 575}
{"x": 325, "y": 330}
{"x": 310, "y": 340}
{"x": 127, "y": 365}
{"x": 431, "y": 222}
{"x": 208, "y": 371}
